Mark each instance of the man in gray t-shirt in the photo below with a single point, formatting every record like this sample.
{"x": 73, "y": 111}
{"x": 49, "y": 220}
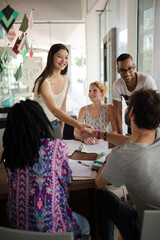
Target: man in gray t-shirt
{"x": 136, "y": 164}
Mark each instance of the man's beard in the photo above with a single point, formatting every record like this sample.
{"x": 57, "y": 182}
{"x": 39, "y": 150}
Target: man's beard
{"x": 127, "y": 119}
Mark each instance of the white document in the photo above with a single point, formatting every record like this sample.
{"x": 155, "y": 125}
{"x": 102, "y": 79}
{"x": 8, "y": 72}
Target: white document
{"x": 72, "y": 145}
{"x": 96, "y": 148}
{"x": 94, "y": 173}
{"x": 80, "y": 170}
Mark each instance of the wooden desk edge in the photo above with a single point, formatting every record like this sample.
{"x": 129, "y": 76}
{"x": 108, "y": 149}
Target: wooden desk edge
{"x": 82, "y": 184}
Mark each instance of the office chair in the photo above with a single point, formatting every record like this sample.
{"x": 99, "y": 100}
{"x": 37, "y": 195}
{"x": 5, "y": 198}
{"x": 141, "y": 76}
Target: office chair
{"x": 3, "y": 122}
{"x": 68, "y": 130}
{"x": 151, "y": 225}
{"x": 112, "y": 188}
{"x": 10, "y": 234}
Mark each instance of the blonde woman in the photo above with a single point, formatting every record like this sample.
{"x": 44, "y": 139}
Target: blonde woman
{"x": 97, "y": 114}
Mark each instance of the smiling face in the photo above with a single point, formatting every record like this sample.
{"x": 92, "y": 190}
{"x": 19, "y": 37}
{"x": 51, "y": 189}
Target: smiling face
{"x": 95, "y": 94}
{"x": 126, "y": 70}
{"x": 60, "y": 59}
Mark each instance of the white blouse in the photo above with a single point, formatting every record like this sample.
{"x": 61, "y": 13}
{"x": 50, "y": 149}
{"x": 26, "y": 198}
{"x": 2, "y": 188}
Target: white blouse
{"x": 59, "y": 98}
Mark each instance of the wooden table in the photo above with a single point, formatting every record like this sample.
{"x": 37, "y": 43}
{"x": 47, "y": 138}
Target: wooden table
{"x": 83, "y": 196}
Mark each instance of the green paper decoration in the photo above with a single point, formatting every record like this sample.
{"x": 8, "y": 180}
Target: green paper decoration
{"x": 24, "y": 46}
{"x": 5, "y": 58}
{"x": 24, "y": 24}
{"x": 7, "y": 17}
{"x": 18, "y": 73}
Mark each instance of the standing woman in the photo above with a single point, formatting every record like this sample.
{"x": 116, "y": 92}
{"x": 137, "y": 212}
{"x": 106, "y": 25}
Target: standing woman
{"x": 51, "y": 88}
{"x": 97, "y": 114}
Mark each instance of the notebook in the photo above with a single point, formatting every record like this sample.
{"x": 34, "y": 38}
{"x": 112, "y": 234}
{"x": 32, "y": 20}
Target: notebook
{"x": 82, "y": 169}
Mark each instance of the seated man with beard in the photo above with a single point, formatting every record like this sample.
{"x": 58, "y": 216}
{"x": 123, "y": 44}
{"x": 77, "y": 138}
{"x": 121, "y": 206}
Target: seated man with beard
{"x": 135, "y": 163}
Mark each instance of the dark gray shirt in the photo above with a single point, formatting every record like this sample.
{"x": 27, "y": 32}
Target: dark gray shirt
{"x": 137, "y": 165}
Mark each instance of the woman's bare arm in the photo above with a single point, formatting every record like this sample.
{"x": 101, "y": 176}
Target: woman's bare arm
{"x": 48, "y": 99}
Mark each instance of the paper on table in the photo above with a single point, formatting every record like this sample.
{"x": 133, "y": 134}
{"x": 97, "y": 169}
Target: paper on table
{"x": 94, "y": 173}
{"x": 96, "y": 148}
{"x": 79, "y": 170}
{"x": 72, "y": 146}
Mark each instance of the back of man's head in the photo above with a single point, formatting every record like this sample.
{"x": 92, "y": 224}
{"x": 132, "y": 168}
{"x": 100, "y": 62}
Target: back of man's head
{"x": 123, "y": 57}
{"x": 146, "y": 107}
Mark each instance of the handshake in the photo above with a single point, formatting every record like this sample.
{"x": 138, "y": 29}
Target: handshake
{"x": 88, "y": 134}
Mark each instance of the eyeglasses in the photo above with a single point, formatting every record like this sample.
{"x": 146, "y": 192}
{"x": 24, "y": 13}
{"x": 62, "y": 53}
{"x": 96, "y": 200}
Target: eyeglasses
{"x": 123, "y": 71}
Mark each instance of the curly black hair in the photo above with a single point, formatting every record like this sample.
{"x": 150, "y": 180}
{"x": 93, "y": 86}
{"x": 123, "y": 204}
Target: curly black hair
{"x": 123, "y": 57}
{"x": 26, "y": 125}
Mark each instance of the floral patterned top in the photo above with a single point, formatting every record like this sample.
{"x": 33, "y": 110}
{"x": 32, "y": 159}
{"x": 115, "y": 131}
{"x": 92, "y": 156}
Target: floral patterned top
{"x": 37, "y": 195}
{"x": 101, "y": 122}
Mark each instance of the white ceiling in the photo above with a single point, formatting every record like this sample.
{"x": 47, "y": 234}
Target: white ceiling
{"x": 54, "y": 21}
{"x": 46, "y": 10}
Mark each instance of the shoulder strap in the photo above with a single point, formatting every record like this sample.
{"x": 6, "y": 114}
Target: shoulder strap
{"x": 46, "y": 80}
{"x": 86, "y": 108}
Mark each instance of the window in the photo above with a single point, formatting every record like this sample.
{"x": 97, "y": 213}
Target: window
{"x": 145, "y": 36}
{"x": 70, "y": 34}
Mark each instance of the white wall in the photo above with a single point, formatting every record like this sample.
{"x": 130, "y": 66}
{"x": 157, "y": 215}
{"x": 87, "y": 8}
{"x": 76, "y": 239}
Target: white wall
{"x": 90, "y": 4}
{"x": 92, "y": 48}
{"x": 92, "y": 39}
{"x": 120, "y": 14}
{"x": 132, "y": 29}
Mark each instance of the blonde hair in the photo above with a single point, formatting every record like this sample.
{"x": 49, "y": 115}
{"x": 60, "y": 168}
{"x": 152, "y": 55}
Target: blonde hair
{"x": 101, "y": 86}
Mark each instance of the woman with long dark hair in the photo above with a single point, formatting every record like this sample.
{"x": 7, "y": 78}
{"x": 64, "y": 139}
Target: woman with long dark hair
{"x": 51, "y": 88}
{"x": 38, "y": 173}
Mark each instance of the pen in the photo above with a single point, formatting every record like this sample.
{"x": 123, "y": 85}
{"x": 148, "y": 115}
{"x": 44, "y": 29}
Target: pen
{"x": 84, "y": 164}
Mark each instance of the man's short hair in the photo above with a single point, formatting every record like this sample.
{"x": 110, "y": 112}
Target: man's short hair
{"x": 146, "y": 103}
{"x": 123, "y": 57}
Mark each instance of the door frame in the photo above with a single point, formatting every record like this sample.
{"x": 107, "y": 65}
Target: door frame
{"x": 109, "y": 53}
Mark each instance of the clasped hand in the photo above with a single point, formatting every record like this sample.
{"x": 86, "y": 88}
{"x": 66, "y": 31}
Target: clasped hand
{"x": 87, "y": 131}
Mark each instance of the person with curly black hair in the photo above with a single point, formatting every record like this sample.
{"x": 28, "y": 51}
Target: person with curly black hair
{"x": 38, "y": 174}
